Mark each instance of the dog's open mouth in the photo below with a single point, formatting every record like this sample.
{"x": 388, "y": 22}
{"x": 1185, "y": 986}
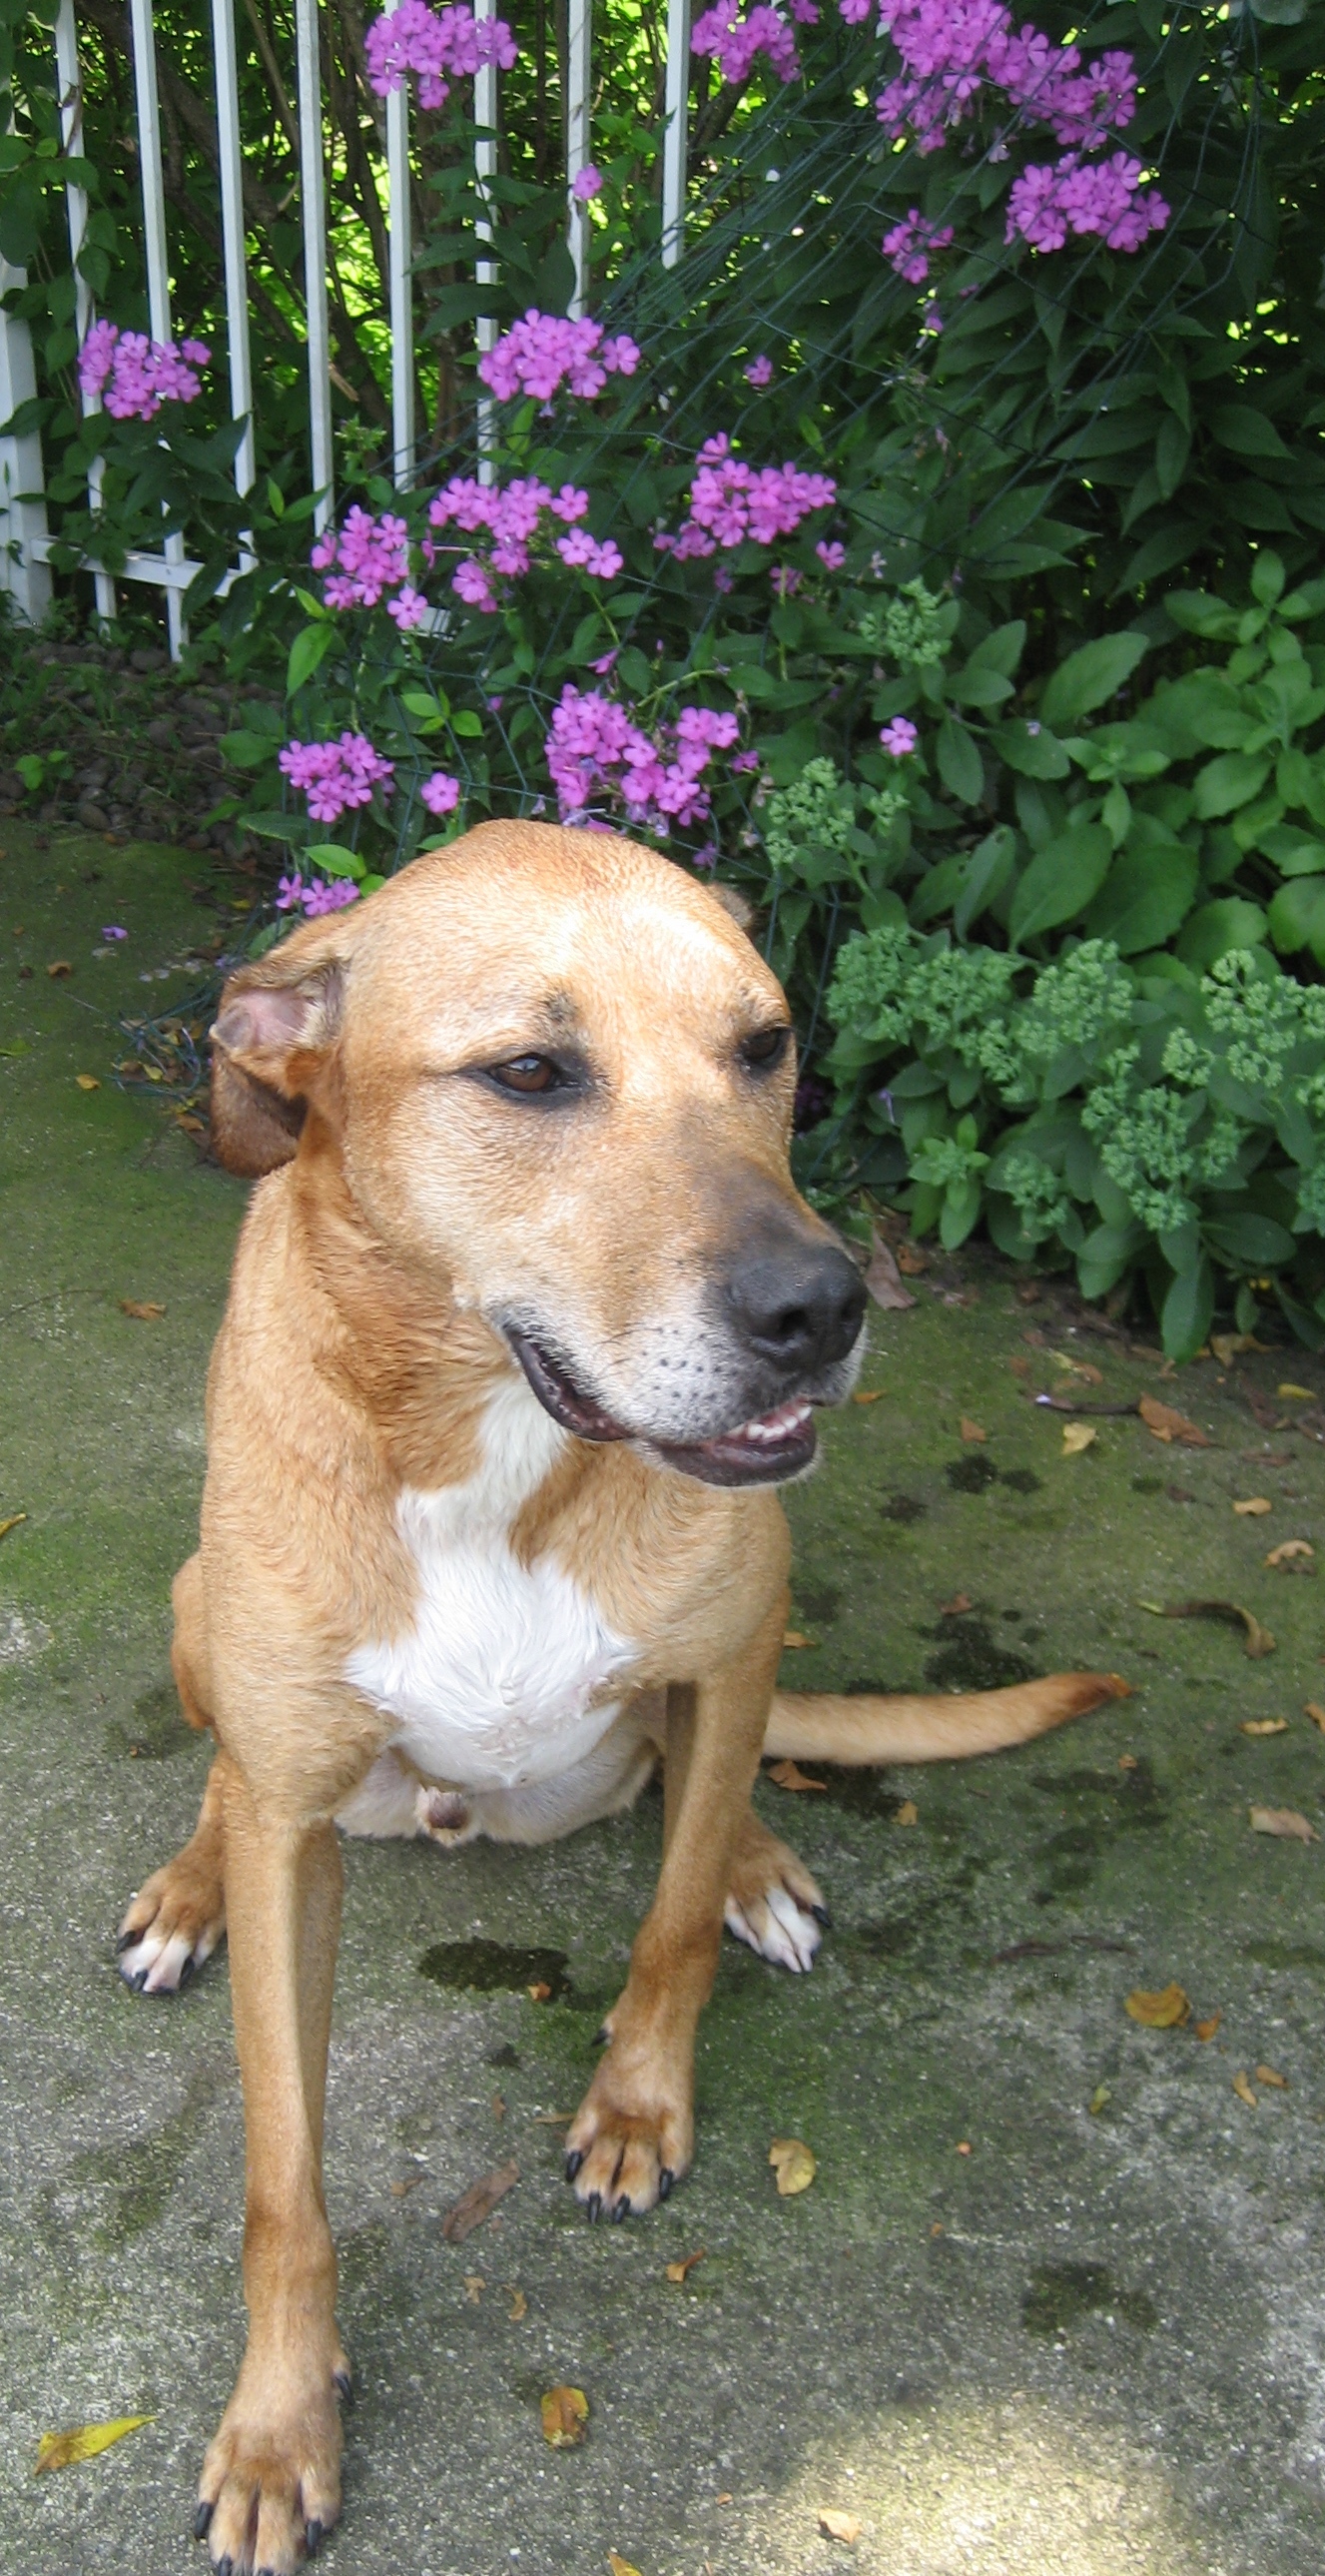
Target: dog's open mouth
{"x": 763, "y": 1452}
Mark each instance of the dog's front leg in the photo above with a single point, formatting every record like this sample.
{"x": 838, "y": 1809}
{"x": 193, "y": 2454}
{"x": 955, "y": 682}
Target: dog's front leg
{"x": 634, "y": 2131}
{"x": 270, "y": 2483}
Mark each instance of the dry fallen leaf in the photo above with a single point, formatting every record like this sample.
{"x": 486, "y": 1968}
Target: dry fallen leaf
{"x": 908, "y": 1813}
{"x": 1076, "y": 1437}
{"x": 1288, "y": 1549}
{"x": 957, "y": 1607}
{"x": 911, "y": 1261}
{"x": 1264, "y": 1726}
{"x": 788, "y": 1775}
{"x": 13, "y": 1520}
{"x": 539, "y": 1992}
{"x": 475, "y": 2285}
{"x": 793, "y": 2164}
{"x": 1243, "y": 2089}
{"x": 1285, "y": 1822}
{"x": 1226, "y": 1346}
{"x": 1084, "y": 1369}
{"x": 87, "y": 1082}
{"x": 840, "y": 2526}
{"x": 963, "y": 2146}
{"x": 1163, "y": 1423}
{"x": 1255, "y": 1509}
{"x": 1301, "y": 1393}
{"x": 883, "y": 1279}
{"x": 1128, "y": 1762}
{"x": 1020, "y": 1367}
{"x": 565, "y": 2413}
{"x": 1207, "y": 2029}
{"x": 794, "y": 1638}
{"x": 60, "y": 967}
{"x": 1259, "y": 1640}
{"x": 478, "y": 2203}
{"x": 143, "y": 1312}
{"x": 620, "y": 2566}
{"x": 678, "y": 2271}
{"x": 1311, "y": 1707}
{"x": 408, "y": 2183}
{"x": 1266, "y": 2075}
{"x": 1099, "y": 2098}
{"x": 519, "y": 2307}
{"x": 499, "y": 2106}
{"x": 971, "y": 1430}
{"x": 1162, "y": 2011}
{"x": 65, "y": 2450}
{"x": 871, "y": 1394}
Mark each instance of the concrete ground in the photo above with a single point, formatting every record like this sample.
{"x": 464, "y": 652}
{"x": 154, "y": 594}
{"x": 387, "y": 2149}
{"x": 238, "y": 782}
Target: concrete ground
{"x": 1091, "y": 2346}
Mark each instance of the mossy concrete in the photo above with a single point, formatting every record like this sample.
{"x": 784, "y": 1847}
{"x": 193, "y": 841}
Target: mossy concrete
{"x": 1091, "y": 2346}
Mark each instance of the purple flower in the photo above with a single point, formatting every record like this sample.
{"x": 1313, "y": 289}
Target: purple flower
{"x": 586, "y": 184}
{"x": 907, "y": 247}
{"x": 290, "y": 894}
{"x": 786, "y": 580}
{"x": 441, "y": 792}
{"x": 831, "y": 555}
{"x": 596, "y": 750}
{"x": 745, "y": 760}
{"x": 899, "y": 737}
{"x": 730, "y": 500}
{"x": 113, "y": 931}
{"x": 319, "y": 897}
{"x": 759, "y": 372}
{"x": 736, "y": 41}
{"x": 432, "y": 42}
{"x": 544, "y": 351}
{"x": 133, "y": 375}
{"x": 336, "y": 775}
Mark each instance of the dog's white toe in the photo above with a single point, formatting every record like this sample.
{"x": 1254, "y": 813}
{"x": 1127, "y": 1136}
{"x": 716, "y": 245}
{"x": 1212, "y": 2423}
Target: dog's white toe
{"x": 159, "y": 1964}
{"x": 777, "y": 1927}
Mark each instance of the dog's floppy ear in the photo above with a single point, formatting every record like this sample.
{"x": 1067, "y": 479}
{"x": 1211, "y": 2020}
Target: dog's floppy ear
{"x": 272, "y": 1041}
{"x": 733, "y": 902}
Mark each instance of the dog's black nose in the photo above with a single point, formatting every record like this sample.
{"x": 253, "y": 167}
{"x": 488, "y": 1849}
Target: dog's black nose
{"x": 799, "y": 1306}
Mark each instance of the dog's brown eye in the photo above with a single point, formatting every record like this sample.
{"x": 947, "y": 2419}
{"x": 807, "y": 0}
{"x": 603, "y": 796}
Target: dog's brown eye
{"x": 527, "y": 1074}
{"x": 764, "y": 1048}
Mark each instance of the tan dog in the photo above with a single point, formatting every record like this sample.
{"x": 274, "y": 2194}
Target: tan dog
{"x": 517, "y": 1345}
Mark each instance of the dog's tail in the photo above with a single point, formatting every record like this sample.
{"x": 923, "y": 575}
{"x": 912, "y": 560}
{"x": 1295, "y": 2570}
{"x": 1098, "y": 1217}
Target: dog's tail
{"x": 821, "y": 1726}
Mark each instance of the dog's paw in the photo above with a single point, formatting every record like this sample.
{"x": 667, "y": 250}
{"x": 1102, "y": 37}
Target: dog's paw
{"x": 172, "y": 1926}
{"x": 270, "y": 2484}
{"x": 773, "y": 1903}
{"x": 623, "y": 2159}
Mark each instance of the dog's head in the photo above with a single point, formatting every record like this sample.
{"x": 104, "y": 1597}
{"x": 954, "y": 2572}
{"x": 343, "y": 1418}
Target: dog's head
{"x": 558, "y": 1080}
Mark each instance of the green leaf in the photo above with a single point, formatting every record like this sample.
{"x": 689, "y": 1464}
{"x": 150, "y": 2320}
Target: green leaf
{"x": 959, "y": 763}
{"x": 1228, "y": 782}
{"x": 310, "y": 647}
{"x": 1218, "y": 928}
{"x": 245, "y": 750}
{"x": 431, "y": 713}
{"x": 1250, "y": 1242}
{"x": 1106, "y": 1253}
{"x": 1001, "y": 649}
{"x": 1146, "y": 895}
{"x": 1172, "y": 448}
{"x": 1030, "y": 748}
{"x": 978, "y": 686}
{"x": 987, "y": 871}
{"x": 334, "y": 860}
{"x": 1295, "y": 852}
{"x": 1188, "y": 1311}
{"x": 1267, "y": 576}
{"x": 1058, "y": 885}
{"x": 1246, "y": 431}
{"x": 465, "y": 723}
{"x": 1297, "y": 917}
{"x": 1199, "y": 614}
{"x": 1088, "y": 677}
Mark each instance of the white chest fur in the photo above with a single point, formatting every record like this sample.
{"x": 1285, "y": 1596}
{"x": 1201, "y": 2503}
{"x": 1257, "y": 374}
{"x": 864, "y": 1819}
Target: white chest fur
{"x": 492, "y": 1683}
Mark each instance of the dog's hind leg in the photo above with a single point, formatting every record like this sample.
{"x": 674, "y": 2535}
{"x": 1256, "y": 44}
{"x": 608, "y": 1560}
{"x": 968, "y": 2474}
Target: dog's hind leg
{"x": 178, "y": 1917}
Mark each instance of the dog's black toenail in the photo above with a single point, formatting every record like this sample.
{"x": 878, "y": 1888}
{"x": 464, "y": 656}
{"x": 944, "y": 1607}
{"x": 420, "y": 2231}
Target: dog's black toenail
{"x": 201, "y": 2520}
{"x": 126, "y": 1941}
{"x": 186, "y": 1972}
{"x": 601, "y": 2035}
{"x": 822, "y": 1915}
{"x": 225, "y": 2566}
{"x": 594, "y": 2207}
{"x": 343, "y": 2385}
{"x": 313, "y": 2538}
{"x": 138, "y": 1982}
{"x": 665, "y": 2181}
{"x": 574, "y": 2160}
{"x": 622, "y": 2209}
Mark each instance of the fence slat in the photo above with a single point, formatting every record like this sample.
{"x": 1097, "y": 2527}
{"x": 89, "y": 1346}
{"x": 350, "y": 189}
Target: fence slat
{"x": 154, "y": 241}
{"x": 676, "y": 134}
{"x": 232, "y": 235}
{"x": 400, "y": 255}
{"x": 70, "y": 82}
{"x": 485, "y": 270}
{"x": 22, "y": 522}
{"x": 578, "y": 97}
{"x": 313, "y": 207}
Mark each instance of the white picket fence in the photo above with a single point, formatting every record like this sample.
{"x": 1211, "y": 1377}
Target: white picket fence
{"x": 25, "y": 540}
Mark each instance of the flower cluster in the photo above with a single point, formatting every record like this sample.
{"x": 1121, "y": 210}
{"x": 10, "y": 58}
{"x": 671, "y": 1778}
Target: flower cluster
{"x": 317, "y": 896}
{"x": 512, "y": 516}
{"x": 1050, "y": 200}
{"x": 433, "y": 42}
{"x": 586, "y": 184}
{"x": 952, "y": 49}
{"x": 730, "y": 501}
{"x": 597, "y": 754}
{"x": 134, "y": 375}
{"x": 370, "y": 556}
{"x": 543, "y": 351}
{"x": 907, "y": 247}
{"x": 336, "y": 775}
{"x": 735, "y": 41}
